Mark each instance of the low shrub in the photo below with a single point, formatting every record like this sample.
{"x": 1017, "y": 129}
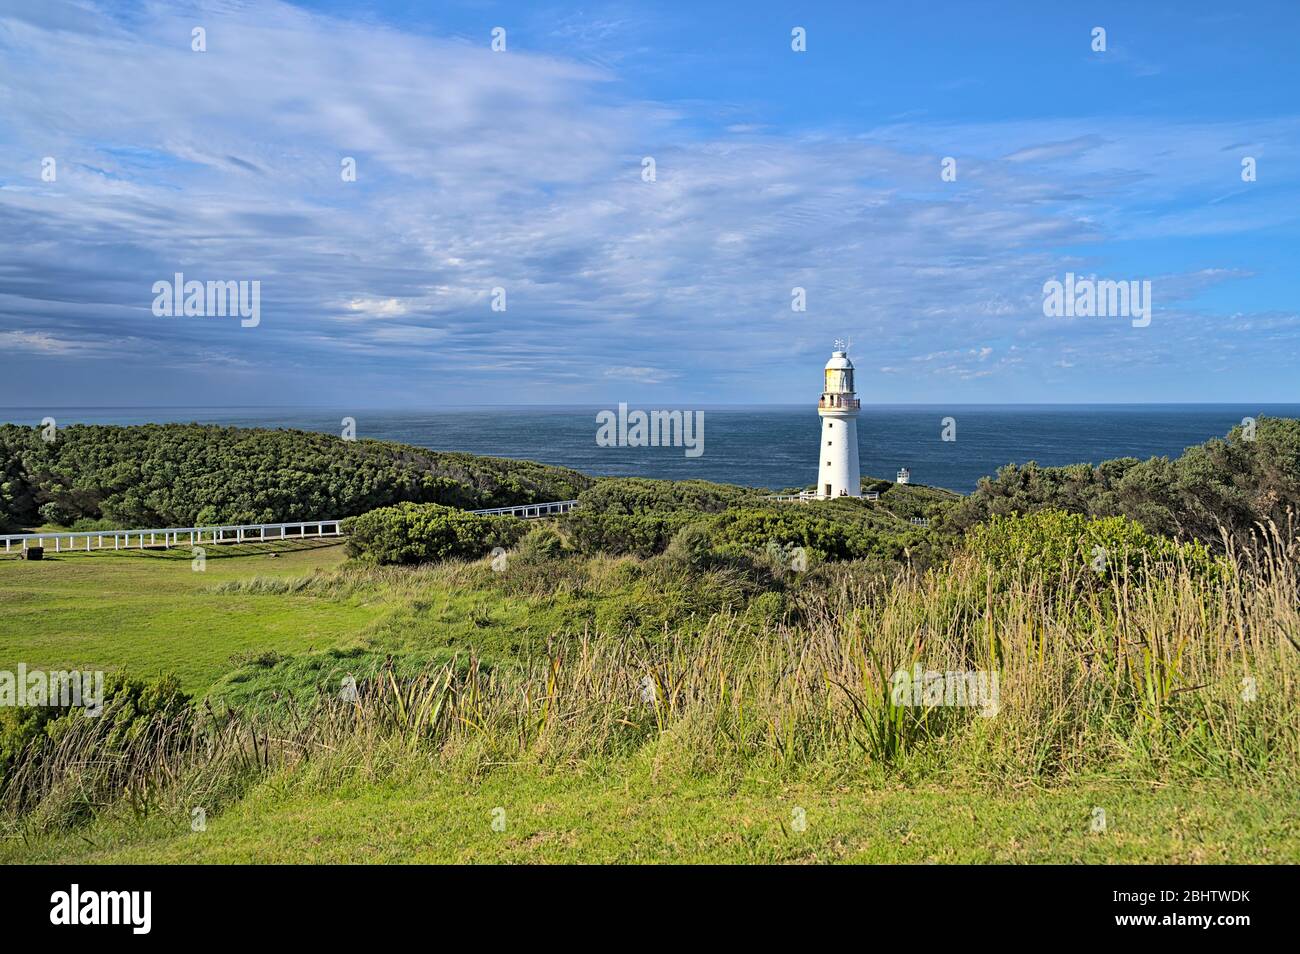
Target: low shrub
{"x": 56, "y": 513}
{"x": 632, "y": 495}
{"x": 637, "y": 534}
{"x": 1048, "y": 542}
{"x": 749, "y": 531}
{"x": 541, "y": 543}
{"x": 692, "y": 546}
{"x": 422, "y": 533}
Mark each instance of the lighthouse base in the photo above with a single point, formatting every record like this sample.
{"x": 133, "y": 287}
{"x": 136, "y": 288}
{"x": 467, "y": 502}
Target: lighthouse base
{"x": 839, "y": 473}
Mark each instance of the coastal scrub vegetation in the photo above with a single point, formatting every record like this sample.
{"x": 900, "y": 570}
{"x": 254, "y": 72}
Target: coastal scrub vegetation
{"x": 1225, "y": 486}
{"x": 165, "y": 475}
{"x": 422, "y": 533}
{"x": 704, "y": 633}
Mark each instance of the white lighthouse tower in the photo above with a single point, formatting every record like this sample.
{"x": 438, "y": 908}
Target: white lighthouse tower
{"x": 838, "y": 474}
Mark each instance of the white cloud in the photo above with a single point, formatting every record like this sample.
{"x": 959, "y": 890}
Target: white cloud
{"x": 377, "y": 307}
{"x": 639, "y": 375}
{"x": 38, "y": 342}
{"x": 477, "y": 170}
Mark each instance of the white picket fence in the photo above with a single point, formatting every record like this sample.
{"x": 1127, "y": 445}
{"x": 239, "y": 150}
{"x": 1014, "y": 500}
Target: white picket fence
{"x": 813, "y": 495}
{"x": 529, "y": 511}
{"x": 237, "y": 533}
{"x": 174, "y": 536}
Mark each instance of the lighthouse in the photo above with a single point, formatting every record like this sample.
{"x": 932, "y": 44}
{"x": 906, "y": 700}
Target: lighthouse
{"x": 838, "y": 474}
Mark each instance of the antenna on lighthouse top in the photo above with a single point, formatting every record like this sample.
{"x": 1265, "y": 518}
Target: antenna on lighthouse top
{"x": 843, "y": 345}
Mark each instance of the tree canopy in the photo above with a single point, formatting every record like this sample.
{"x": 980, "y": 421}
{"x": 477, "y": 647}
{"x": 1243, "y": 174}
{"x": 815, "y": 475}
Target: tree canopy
{"x": 193, "y": 474}
{"x": 1233, "y": 483}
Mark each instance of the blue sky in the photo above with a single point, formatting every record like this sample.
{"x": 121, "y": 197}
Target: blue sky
{"x": 522, "y": 170}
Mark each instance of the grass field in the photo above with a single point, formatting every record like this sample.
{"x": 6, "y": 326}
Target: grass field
{"x": 587, "y": 785}
{"x": 149, "y": 611}
{"x": 633, "y": 814}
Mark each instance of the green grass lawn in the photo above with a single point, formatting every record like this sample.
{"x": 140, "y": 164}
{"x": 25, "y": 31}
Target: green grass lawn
{"x": 150, "y": 612}
{"x": 630, "y": 814}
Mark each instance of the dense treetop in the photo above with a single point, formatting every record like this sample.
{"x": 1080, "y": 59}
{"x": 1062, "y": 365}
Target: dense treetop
{"x": 188, "y": 474}
{"x": 1234, "y": 484}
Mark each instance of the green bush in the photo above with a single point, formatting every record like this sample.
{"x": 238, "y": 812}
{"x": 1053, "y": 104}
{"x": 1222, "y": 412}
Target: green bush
{"x": 638, "y": 534}
{"x": 541, "y": 543}
{"x": 1050, "y": 542}
{"x": 832, "y": 530}
{"x": 128, "y": 705}
{"x": 746, "y": 532}
{"x": 422, "y": 533}
{"x": 635, "y": 495}
{"x": 19, "y": 727}
{"x": 1227, "y": 485}
{"x": 57, "y": 514}
{"x": 691, "y": 547}
{"x": 639, "y": 517}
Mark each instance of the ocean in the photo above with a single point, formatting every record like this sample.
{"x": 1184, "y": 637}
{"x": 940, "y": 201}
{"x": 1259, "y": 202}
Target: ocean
{"x": 766, "y": 446}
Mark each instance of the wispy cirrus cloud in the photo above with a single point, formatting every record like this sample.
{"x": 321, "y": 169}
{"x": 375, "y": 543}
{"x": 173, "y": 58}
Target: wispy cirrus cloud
{"x": 39, "y": 342}
{"x": 639, "y": 375}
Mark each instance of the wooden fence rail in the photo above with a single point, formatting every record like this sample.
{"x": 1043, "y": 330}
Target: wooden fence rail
{"x": 67, "y": 540}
